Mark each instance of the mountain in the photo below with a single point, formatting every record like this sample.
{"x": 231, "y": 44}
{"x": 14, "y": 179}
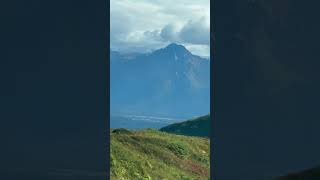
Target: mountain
{"x": 170, "y": 81}
{"x": 310, "y": 174}
{"x": 139, "y": 121}
{"x": 151, "y": 154}
{"x": 196, "y": 127}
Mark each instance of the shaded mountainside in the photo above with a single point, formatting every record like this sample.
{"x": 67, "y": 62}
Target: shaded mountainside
{"x": 311, "y": 174}
{"x": 196, "y": 127}
{"x": 151, "y": 154}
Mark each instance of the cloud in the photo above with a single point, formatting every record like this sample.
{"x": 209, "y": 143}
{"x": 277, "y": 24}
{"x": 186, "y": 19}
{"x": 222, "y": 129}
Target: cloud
{"x": 146, "y": 25}
{"x": 201, "y": 50}
{"x": 196, "y": 32}
{"x": 193, "y": 32}
{"x": 168, "y": 33}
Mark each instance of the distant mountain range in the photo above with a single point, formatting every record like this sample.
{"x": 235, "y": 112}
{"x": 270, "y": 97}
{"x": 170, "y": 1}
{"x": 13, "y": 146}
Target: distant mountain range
{"x": 169, "y": 82}
{"x": 139, "y": 121}
{"x": 196, "y": 127}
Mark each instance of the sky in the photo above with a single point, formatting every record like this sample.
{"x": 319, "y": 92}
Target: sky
{"x": 147, "y": 25}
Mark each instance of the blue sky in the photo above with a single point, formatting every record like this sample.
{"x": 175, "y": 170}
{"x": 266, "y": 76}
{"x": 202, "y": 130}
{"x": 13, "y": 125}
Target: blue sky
{"x": 146, "y": 25}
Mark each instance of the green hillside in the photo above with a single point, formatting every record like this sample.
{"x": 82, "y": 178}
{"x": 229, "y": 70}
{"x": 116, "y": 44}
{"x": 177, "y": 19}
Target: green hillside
{"x": 311, "y": 174}
{"x": 151, "y": 155}
{"x": 196, "y": 127}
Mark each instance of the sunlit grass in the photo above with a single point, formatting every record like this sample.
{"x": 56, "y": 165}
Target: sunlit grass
{"x": 151, "y": 154}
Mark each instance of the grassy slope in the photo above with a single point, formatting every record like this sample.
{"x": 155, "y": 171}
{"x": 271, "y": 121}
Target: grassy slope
{"x": 312, "y": 174}
{"x": 152, "y": 154}
{"x": 195, "y": 127}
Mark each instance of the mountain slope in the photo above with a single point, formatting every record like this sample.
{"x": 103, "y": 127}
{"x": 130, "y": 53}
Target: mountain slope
{"x": 151, "y": 154}
{"x": 169, "y": 81}
{"x": 196, "y": 127}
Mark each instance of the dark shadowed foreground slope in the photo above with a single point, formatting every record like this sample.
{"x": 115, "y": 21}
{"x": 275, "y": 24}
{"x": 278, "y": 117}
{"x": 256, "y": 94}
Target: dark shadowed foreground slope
{"x": 151, "y": 154}
{"x": 195, "y": 127}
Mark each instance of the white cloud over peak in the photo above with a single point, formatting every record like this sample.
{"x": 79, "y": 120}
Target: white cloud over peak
{"x": 146, "y": 25}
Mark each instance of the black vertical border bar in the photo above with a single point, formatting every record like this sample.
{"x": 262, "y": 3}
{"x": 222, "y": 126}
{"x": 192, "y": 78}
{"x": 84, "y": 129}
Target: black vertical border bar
{"x": 107, "y": 54}
{"x": 213, "y": 76}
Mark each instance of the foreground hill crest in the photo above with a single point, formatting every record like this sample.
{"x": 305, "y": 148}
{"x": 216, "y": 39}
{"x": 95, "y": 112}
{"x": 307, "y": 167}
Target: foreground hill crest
{"x": 151, "y": 154}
